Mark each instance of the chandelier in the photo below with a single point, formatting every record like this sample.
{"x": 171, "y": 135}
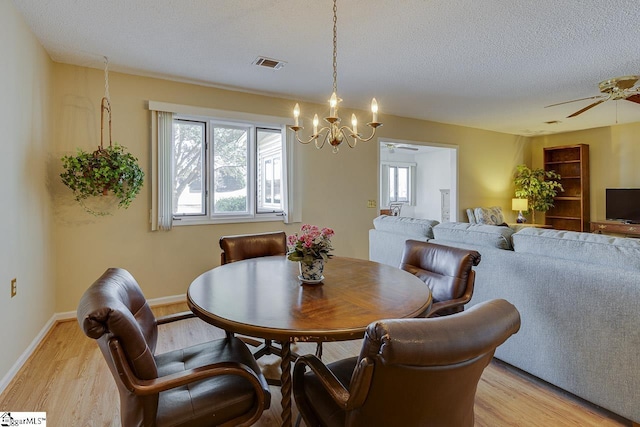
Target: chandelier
{"x": 333, "y": 132}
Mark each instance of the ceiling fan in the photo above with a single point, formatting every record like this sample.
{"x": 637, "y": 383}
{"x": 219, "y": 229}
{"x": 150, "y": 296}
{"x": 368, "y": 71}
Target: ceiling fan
{"x": 392, "y": 147}
{"x": 612, "y": 89}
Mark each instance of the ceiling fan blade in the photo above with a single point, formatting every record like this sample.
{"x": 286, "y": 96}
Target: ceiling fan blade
{"x": 634, "y": 98}
{"x": 588, "y": 107}
{"x": 575, "y": 100}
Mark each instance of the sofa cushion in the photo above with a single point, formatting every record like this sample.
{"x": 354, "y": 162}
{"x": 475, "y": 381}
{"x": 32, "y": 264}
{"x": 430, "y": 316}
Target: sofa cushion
{"x": 596, "y": 249}
{"x": 405, "y": 225}
{"x": 474, "y": 234}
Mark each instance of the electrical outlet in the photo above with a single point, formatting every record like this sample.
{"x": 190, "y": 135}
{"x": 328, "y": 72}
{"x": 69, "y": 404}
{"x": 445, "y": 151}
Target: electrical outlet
{"x": 14, "y": 287}
{"x": 371, "y": 203}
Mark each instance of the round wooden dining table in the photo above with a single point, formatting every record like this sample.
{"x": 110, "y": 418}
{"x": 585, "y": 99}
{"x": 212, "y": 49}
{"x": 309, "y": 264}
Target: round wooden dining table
{"x": 263, "y": 297}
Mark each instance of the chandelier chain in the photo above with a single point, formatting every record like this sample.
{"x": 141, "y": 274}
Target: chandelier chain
{"x": 335, "y": 47}
{"x": 106, "y": 78}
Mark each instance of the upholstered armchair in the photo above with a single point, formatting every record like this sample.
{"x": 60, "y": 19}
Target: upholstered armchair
{"x": 410, "y": 372}
{"x": 446, "y": 270}
{"x": 214, "y": 383}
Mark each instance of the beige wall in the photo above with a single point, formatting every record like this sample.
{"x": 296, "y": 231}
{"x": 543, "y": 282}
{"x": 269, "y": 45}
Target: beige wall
{"x": 614, "y": 157}
{"x": 25, "y": 214}
{"x": 335, "y": 187}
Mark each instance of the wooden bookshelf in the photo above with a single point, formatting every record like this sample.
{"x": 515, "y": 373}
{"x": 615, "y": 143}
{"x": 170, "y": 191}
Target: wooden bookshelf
{"x": 571, "y": 207}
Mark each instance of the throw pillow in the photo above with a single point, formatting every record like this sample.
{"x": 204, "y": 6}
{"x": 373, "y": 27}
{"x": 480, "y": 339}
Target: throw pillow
{"x": 471, "y": 216}
{"x": 489, "y": 216}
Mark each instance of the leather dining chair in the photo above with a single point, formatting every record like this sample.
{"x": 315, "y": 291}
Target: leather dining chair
{"x": 424, "y": 371}
{"x": 214, "y": 383}
{"x": 446, "y": 270}
{"x": 247, "y": 246}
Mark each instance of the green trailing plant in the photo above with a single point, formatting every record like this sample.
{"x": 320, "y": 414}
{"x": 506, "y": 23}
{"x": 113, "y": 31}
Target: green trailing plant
{"x": 109, "y": 170}
{"x": 106, "y": 170}
{"x": 538, "y": 186}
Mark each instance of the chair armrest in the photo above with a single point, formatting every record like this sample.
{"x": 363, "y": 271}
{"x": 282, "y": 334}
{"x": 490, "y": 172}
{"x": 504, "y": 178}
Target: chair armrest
{"x": 328, "y": 380}
{"x": 465, "y": 298}
{"x": 347, "y": 399}
{"x": 154, "y": 386}
{"x": 442, "y": 305}
{"x": 174, "y": 317}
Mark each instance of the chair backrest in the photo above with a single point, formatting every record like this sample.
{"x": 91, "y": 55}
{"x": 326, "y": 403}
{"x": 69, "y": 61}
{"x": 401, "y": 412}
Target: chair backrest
{"x": 446, "y": 270}
{"x": 427, "y": 370}
{"x": 114, "y": 308}
{"x": 245, "y": 246}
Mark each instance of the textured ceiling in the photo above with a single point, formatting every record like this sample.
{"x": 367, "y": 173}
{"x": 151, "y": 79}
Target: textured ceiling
{"x": 490, "y": 64}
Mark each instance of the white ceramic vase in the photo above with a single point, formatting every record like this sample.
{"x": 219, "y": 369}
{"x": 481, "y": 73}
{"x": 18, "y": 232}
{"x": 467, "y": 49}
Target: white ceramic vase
{"x": 312, "y": 273}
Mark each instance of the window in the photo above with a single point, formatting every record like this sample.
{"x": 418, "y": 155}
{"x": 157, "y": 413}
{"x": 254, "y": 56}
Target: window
{"x": 269, "y": 170}
{"x": 216, "y": 166}
{"x": 397, "y": 183}
{"x": 188, "y": 166}
{"x": 230, "y": 151}
{"x": 226, "y": 171}
{"x": 230, "y": 160}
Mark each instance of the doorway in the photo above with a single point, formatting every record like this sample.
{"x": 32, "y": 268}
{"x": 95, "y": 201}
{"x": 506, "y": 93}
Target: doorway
{"x": 414, "y": 174}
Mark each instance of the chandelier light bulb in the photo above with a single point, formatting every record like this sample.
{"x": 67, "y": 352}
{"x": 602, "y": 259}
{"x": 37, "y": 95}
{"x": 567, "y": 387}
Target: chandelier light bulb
{"x": 354, "y": 123}
{"x": 333, "y": 103}
{"x": 315, "y": 124}
{"x": 296, "y": 114}
{"x": 374, "y": 110}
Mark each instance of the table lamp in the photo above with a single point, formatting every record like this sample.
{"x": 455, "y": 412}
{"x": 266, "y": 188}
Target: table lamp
{"x": 520, "y": 205}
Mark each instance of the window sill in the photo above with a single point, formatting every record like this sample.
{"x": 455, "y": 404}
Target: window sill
{"x": 177, "y": 222}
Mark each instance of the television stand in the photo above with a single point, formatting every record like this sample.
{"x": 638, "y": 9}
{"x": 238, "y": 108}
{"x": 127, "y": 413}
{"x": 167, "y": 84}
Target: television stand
{"x": 615, "y": 227}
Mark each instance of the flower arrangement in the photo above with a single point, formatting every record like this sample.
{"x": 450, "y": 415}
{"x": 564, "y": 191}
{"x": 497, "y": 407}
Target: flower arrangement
{"x": 310, "y": 244}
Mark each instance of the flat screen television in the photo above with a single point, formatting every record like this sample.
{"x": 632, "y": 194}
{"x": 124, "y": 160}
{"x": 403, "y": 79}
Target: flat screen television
{"x": 623, "y": 204}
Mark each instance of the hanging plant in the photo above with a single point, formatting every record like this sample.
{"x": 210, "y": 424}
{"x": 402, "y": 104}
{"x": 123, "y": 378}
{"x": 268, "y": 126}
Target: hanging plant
{"x": 109, "y": 170}
{"x": 105, "y": 170}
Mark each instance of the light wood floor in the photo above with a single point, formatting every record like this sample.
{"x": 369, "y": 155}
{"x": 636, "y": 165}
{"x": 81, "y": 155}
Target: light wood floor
{"x": 68, "y": 378}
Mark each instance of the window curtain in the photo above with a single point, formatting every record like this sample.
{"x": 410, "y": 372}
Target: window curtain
{"x": 164, "y": 211}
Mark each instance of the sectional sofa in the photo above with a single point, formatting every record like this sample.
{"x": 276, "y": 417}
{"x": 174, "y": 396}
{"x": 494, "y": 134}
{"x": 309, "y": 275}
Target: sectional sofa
{"x": 578, "y": 295}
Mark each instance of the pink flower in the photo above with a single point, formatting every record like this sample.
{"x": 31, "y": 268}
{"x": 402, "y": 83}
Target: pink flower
{"x": 311, "y": 243}
{"x": 327, "y": 232}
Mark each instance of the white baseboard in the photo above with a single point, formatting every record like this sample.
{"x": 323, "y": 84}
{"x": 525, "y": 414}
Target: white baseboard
{"x": 27, "y": 353}
{"x": 58, "y": 317}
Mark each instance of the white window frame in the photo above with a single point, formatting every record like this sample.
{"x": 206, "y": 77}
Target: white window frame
{"x": 270, "y": 154}
{"x": 291, "y": 205}
{"x": 385, "y": 182}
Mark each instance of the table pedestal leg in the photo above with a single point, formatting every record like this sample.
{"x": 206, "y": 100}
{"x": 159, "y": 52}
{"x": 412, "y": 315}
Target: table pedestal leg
{"x": 285, "y": 379}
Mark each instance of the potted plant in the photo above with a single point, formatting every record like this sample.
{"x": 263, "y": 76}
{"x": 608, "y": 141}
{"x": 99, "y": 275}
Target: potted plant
{"x": 311, "y": 249}
{"x": 538, "y": 186}
{"x": 106, "y": 170}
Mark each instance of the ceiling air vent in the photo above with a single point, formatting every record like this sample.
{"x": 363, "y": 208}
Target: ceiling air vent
{"x": 274, "y": 64}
